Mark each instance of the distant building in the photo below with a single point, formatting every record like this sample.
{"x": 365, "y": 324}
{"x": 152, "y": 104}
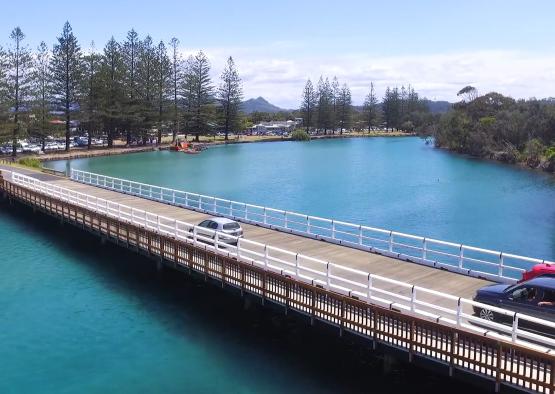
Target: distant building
{"x": 277, "y": 127}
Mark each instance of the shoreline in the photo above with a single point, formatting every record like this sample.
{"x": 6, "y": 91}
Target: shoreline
{"x": 519, "y": 164}
{"x": 84, "y": 153}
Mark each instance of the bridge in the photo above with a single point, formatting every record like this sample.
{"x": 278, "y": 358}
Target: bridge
{"x": 396, "y": 291}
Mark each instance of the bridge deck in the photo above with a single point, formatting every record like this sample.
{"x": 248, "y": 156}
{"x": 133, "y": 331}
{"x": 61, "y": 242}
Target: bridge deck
{"x": 443, "y": 281}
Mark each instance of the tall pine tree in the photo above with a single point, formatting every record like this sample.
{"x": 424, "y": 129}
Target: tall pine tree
{"x": 163, "y": 86}
{"x": 42, "y": 91}
{"x": 112, "y": 97}
{"x": 308, "y": 104}
{"x": 131, "y": 48}
{"x": 176, "y": 78}
{"x": 230, "y": 95}
{"x": 370, "y": 108}
{"x": 202, "y": 91}
{"x": 92, "y": 93}
{"x": 18, "y": 83}
{"x": 66, "y": 75}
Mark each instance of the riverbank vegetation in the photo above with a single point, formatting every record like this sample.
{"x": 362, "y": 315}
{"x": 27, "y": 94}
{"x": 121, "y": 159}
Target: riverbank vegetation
{"x": 497, "y": 127}
{"x": 300, "y": 135}
{"x": 327, "y": 108}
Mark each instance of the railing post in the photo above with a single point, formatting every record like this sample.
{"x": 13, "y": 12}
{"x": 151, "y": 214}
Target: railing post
{"x": 175, "y": 229}
{"x": 424, "y": 249}
{"x": 215, "y": 207}
{"x": 308, "y": 224}
{"x": 194, "y": 235}
{"x": 369, "y": 293}
{"x": 412, "y": 299}
{"x": 297, "y": 265}
{"x": 328, "y": 280}
{"x": 461, "y": 256}
{"x": 230, "y": 209}
{"x": 391, "y": 241}
{"x": 514, "y": 335}
{"x": 173, "y": 197}
{"x": 140, "y": 190}
{"x": 158, "y": 223}
{"x": 266, "y": 256}
{"x": 360, "y": 234}
{"x": 238, "y": 248}
{"x": 332, "y": 229}
{"x": 500, "y": 272}
{"x": 459, "y": 311}
{"x": 265, "y": 215}
{"x": 285, "y": 219}
{"x": 186, "y": 199}
{"x": 216, "y": 240}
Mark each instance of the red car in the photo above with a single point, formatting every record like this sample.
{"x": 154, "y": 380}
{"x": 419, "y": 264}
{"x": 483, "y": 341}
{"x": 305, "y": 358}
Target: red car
{"x": 537, "y": 270}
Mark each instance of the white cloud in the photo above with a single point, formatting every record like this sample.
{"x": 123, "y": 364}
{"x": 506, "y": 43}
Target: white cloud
{"x": 278, "y": 72}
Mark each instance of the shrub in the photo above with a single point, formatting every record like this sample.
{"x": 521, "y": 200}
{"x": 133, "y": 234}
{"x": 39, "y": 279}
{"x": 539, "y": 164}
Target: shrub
{"x": 30, "y": 162}
{"x": 300, "y": 135}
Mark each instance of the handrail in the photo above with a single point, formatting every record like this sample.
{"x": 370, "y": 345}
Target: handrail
{"x": 331, "y": 276}
{"x": 469, "y": 260}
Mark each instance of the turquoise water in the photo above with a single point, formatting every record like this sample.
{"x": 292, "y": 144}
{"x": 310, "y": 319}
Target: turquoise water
{"x": 79, "y": 318}
{"x": 400, "y": 184}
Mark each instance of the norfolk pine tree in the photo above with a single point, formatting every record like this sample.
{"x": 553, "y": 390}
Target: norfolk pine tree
{"x": 41, "y": 93}
{"x": 92, "y": 89}
{"x": 112, "y": 97}
{"x": 308, "y": 105}
{"x": 230, "y": 95}
{"x": 344, "y": 108}
{"x": 370, "y": 108}
{"x": 176, "y": 78}
{"x": 163, "y": 85}
{"x": 146, "y": 86}
{"x": 131, "y": 49}
{"x": 201, "y": 94}
{"x": 66, "y": 74}
{"x": 18, "y": 82}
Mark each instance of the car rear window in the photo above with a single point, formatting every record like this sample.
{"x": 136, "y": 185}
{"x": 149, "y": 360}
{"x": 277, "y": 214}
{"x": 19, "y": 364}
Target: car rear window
{"x": 231, "y": 226}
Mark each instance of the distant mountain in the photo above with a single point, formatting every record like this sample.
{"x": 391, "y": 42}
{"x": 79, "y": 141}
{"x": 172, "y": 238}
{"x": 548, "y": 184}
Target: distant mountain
{"x": 259, "y": 104}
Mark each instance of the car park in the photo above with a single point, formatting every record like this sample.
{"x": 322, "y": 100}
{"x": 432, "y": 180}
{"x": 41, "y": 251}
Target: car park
{"x": 223, "y": 226}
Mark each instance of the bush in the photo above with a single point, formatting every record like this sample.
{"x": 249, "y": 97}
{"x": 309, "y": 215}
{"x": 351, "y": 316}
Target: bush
{"x": 300, "y": 135}
{"x": 30, "y": 162}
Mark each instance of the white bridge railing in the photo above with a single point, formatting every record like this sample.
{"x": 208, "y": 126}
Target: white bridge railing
{"x": 468, "y": 260}
{"x": 405, "y": 297}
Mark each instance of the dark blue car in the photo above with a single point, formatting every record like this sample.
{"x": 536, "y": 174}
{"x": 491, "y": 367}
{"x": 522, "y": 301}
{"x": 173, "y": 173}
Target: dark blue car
{"x": 535, "y": 297}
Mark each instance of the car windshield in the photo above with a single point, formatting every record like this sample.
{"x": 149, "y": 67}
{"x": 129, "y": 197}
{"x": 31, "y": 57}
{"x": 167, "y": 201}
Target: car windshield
{"x": 231, "y": 226}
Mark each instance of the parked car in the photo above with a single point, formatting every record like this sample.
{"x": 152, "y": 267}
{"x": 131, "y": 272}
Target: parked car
{"x": 221, "y": 225}
{"x": 535, "y": 297}
{"x": 539, "y": 270}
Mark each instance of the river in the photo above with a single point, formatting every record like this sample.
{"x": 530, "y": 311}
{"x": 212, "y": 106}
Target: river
{"x": 77, "y": 317}
{"x": 399, "y": 184}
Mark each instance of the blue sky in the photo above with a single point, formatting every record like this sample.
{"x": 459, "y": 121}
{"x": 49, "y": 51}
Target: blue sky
{"x": 437, "y": 46}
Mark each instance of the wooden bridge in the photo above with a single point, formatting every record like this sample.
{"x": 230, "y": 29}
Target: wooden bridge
{"x": 389, "y": 315}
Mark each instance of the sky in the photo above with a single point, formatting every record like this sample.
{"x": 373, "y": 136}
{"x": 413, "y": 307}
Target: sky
{"x": 436, "y": 46}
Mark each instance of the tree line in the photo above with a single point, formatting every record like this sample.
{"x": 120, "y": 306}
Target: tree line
{"x": 132, "y": 88}
{"x": 500, "y": 128}
{"x": 328, "y": 108}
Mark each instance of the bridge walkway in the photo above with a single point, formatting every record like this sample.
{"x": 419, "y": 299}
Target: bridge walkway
{"x": 440, "y": 280}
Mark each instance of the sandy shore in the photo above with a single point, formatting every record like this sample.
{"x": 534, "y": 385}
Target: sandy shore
{"x": 120, "y": 149}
